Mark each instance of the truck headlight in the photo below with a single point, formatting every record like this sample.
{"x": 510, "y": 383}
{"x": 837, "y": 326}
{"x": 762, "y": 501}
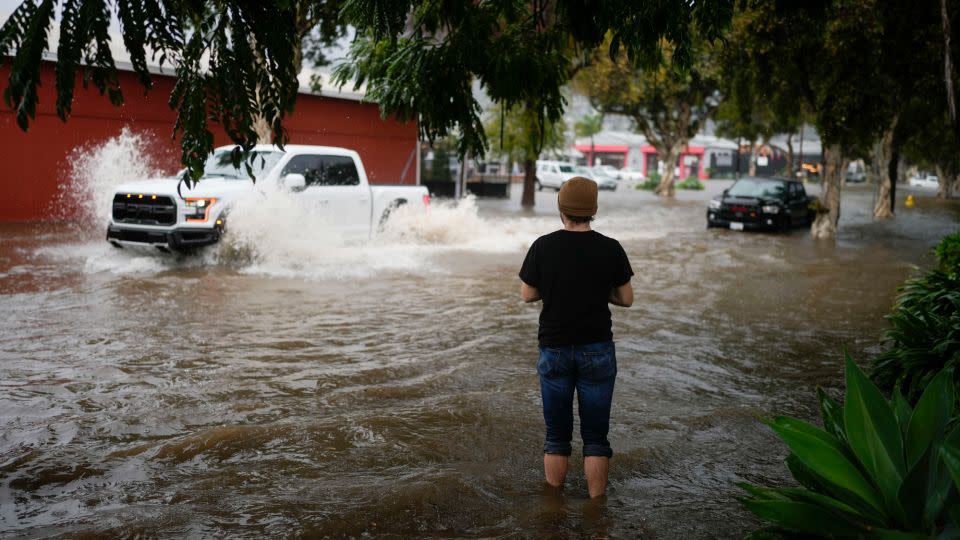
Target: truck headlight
{"x": 715, "y": 204}
{"x": 771, "y": 209}
{"x": 198, "y": 209}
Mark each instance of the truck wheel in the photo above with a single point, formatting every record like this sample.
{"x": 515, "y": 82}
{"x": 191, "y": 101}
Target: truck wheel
{"x": 539, "y": 186}
{"x": 386, "y": 213}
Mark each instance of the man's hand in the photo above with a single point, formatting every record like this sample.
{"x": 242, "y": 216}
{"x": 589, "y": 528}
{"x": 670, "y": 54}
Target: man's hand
{"x": 622, "y": 296}
{"x": 528, "y": 293}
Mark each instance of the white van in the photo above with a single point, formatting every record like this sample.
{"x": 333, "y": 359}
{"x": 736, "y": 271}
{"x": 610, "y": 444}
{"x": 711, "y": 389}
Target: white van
{"x": 552, "y": 174}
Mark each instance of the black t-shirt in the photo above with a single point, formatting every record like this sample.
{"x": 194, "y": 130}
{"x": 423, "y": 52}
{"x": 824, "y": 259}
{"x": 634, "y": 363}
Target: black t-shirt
{"x": 574, "y": 273}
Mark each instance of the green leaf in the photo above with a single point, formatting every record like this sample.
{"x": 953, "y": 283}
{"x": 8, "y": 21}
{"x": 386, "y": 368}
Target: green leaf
{"x": 830, "y": 503}
{"x": 874, "y": 436}
{"x": 762, "y": 492}
{"x": 902, "y": 410}
{"x": 802, "y": 474}
{"x": 913, "y": 492}
{"x": 832, "y": 413}
{"x": 810, "y": 480}
{"x": 825, "y": 457}
{"x": 803, "y": 517}
{"x": 930, "y": 417}
{"x": 939, "y": 482}
{"x": 951, "y": 458}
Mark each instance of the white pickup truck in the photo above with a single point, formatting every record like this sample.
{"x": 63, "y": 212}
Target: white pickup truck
{"x": 155, "y": 213}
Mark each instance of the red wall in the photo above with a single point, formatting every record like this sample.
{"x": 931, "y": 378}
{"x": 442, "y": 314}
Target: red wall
{"x": 34, "y": 163}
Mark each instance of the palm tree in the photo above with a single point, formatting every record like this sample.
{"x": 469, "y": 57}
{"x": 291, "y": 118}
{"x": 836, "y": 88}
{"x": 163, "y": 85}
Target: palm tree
{"x": 588, "y": 126}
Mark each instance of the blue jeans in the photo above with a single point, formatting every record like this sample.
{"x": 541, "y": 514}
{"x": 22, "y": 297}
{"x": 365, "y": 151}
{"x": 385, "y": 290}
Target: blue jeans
{"x": 590, "y": 370}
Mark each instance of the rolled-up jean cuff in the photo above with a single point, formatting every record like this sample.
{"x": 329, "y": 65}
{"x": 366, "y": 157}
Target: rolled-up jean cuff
{"x": 557, "y": 449}
{"x": 597, "y": 450}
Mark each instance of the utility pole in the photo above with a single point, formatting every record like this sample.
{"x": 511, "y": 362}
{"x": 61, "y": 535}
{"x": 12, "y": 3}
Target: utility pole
{"x": 460, "y": 191}
{"x": 801, "y": 149}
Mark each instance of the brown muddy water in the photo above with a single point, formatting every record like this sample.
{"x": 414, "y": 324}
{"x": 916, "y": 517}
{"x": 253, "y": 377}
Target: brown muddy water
{"x": 389, "y": 389}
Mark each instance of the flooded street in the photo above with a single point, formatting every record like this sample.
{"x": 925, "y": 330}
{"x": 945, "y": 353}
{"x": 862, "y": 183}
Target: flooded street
{"x": 389, "y": 389}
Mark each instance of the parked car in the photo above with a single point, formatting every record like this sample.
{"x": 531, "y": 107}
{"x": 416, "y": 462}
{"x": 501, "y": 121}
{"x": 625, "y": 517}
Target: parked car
{"x": 603, "y": 182}
{"x": 633, "y": 174}
{"x": 552, "y": 174}
{"x": 856, "y": 172}
{"x": 604, "y": 178}
{"x": 609, "y": 169}
{"x": 925, "y": 181}
{"x": 168, "y": 215}
{"x": 762, "y": 203}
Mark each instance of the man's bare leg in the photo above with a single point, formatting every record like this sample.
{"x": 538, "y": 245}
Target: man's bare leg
{"x": 555, "y": 469}
{"x": 595, "y": 469}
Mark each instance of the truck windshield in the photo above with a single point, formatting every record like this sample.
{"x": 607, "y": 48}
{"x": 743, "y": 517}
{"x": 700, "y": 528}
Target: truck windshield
{"x": 219, "y": 165}
{"x": 759, "y": 188}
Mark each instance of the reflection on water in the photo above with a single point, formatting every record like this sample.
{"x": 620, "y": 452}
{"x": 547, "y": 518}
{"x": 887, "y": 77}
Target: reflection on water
{"x": 389, "y": 388}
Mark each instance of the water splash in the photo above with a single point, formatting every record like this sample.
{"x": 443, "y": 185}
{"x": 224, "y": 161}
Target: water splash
{"x": 95, "y": 170}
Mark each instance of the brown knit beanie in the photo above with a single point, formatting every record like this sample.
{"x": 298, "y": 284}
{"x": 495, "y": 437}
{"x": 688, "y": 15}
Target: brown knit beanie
{"x": 578, "y": 197}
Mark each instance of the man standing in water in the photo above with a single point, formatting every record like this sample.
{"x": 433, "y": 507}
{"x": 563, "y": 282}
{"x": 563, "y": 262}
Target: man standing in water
{"x": 576, "y": 272}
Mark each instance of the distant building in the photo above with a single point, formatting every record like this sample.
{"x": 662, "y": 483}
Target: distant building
{"x": 705, "y": 156}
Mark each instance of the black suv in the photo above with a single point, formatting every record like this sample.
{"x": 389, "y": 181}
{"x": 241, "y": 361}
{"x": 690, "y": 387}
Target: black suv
{"x": 762, "y": 203}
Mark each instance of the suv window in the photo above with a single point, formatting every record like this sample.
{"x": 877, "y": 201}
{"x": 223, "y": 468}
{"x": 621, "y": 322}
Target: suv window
{"x": 566, "y": 168}
{"x": 324, "y": 170}
{"x": 796, "y": 190}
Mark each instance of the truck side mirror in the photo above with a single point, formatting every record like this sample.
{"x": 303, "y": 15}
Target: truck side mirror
{"x": 295, "y": 182}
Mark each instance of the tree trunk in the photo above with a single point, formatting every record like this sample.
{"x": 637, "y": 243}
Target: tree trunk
{"x": 948, "y": 69}
{"x": 883, "y": 153}
{"x": 948, "y": 183}
{"x": 593, "y": 159}
{"x": 672, "y": 153}
{"x": 894, "y": 169}
{"x": 752, "y": 166}
{"x": 943, "y": 192}
{"x": 529, "y": 182}
{"x": 825, "y": 225}
{"x": 790, "y": 156}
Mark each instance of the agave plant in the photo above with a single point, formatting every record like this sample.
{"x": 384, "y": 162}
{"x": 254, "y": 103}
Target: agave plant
{"x": 878, "y": 468}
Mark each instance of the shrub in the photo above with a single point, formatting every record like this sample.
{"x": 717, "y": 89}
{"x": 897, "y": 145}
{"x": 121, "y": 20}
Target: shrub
{"x": 924, "y": 335}
{"x": 651, "y": 183}
{"x": 948, "y": 252}
{"x": 691, "y": 182}
{"x": 878, "y": 469}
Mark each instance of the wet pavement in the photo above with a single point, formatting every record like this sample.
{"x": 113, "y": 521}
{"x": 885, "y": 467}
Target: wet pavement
{"x": 388, "y": 389}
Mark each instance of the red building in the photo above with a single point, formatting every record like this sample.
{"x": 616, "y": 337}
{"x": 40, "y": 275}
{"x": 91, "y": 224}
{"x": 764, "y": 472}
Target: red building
{"x": 690, "y": 161}
{"x": 34, "y": 163}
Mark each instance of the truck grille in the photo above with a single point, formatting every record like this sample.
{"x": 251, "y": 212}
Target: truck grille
{"x": 735, "y": 212}
{"x": 144, "y": 209}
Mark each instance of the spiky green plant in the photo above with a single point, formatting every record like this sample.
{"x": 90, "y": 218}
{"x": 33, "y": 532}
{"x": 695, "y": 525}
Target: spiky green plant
{"x": 948, "y": 253}
{"x": 924, "y": 334}
{"x": 877, "y": 469}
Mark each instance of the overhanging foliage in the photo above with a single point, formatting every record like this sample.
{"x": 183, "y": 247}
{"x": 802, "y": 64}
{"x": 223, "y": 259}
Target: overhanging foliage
{"x": 237, "y": 61}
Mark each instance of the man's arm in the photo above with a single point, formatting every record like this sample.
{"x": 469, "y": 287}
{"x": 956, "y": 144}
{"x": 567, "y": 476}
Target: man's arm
{"x": 528, "y": 293}
{"x": 621, "y": 296}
